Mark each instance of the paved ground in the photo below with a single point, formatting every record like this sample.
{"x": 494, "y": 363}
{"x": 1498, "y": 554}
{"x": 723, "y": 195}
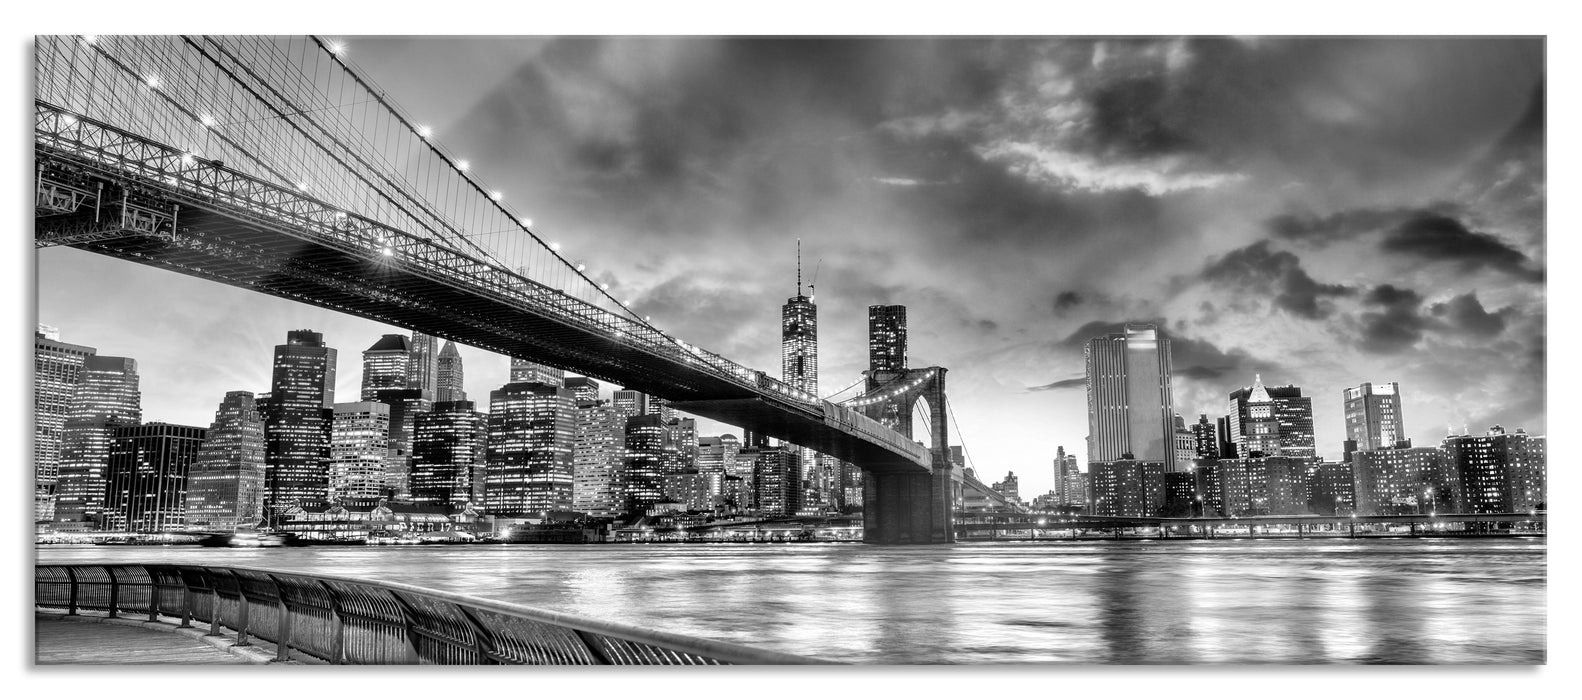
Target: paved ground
{"x": 62, "y": 639}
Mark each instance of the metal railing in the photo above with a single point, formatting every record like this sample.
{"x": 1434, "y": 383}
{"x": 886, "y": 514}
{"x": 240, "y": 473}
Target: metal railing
{"x": 350, "y": 621}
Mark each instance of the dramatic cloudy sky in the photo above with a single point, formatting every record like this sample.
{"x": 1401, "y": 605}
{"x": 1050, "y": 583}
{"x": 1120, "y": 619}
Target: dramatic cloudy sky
{"x": 1322, "y": 212}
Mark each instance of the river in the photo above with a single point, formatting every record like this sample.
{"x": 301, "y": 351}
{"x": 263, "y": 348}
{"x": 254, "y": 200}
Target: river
{"x": 1411, "y": 601}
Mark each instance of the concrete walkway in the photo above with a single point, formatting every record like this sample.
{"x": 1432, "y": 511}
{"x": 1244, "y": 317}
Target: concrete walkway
{"x": 85, "y": 639}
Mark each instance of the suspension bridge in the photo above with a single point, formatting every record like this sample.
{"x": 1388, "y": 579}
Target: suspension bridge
{"x": 272, "y": 164}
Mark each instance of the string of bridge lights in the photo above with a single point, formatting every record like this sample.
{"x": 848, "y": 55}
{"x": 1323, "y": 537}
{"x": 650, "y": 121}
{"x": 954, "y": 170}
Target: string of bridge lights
{"x": 892, "y": 393}
{"x": 337, "y": 49}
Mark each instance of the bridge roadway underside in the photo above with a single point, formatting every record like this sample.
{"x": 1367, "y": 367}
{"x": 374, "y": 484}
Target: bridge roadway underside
{"x": 241, "y": 249}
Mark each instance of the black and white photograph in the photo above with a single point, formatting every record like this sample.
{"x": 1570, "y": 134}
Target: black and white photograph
{"x": 773, "y": 348}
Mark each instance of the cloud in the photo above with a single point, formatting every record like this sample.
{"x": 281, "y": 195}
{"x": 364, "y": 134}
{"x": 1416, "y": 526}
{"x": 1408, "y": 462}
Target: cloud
{"x": 1465, "y": 312}
{"x": 1276, "y": 273}
{"x": 1434, "y": 234}
{"x": 1395, "y": 328}
{"x": 1072, "y": 383}
{"x": 1066, "y": 301}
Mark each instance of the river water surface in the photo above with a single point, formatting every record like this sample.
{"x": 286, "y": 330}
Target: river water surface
{"x": 1423, "y": 601}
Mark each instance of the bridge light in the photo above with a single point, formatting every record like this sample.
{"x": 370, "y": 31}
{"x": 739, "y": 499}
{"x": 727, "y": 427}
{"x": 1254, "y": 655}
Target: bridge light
{"x": 68, "y": 120}
{"x": 208, "y": 121}
{"x": 186, "y": 159}
{"x": 425, "y": 131}
{"x": 628, "y": 302}
{"x": 90, "y": 39}
{"x": 153, "y": 81}
{"x": 337, "y": 47}
{"x": 462, "y": 165}
{"x": 389, "y": 251}
{"x": 581, "y": 267}
{"x": 496, "y": 195}
{"x": 555, "y": 246}
{"x": 605, "y": 286}
{"x": 528, "y": 223}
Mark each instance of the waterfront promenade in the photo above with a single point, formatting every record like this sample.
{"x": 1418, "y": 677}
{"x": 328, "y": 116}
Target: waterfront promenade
{"x": 97, "y": 640}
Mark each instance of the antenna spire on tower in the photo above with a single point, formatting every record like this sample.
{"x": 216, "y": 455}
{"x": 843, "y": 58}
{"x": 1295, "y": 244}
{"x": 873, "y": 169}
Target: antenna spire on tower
{"x": 799, "y": 267}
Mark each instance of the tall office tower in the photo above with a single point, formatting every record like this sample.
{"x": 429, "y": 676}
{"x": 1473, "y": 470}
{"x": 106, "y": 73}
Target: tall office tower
{"x": 799, "y": 370}
{"x": 225, "y": 487}
{"x": 1010, "y": 488}
{"x": 297, "y": 421}
{"x": 584, "y": 390}
{"x": 598, "y": 448}
{"x": 422, "y": 371}
{"x": 448, "y": 448}
{"x": 1204, "y": 443}
{"x": 386, "y": 365}
{"x": 405, "y": 406}
{"x": 1130, "y": 411}
{"x": 886, "y": 338}
{"x": 531, "y": 428}
{"x": 1330, "y": 488}
{"x": 1185, "y": 446}
{"x": 777, "y": 481}
{"x": 684, "y": 441}
{"x": 149, "y": 466}
{"x": 631, "y": 403}
{"x": 658, "y": 407}
{"x": 1068, "y": 481}
{"x": 717, "y": 454}
{"x": 1500, "y": 472}
{"x": 1227, "y": 446}
{"x": 1373, "y": 416}
{"x": 529, "y": 371}
{"x": 106, "y": 398}
{"x": 643, "y": 466}
{"x": 359, "y": 452}
{"x": 1404, "y": 481}
{"x": 57, "y": 369}
{"x": 448, "y": 375}
{"x": 1271, "y": 421}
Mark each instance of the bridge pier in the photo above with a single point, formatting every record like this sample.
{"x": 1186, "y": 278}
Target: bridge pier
{"x": 907, "y": 508}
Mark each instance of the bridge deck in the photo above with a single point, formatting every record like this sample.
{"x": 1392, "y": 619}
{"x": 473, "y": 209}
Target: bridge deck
{"x": 60, "y": 639}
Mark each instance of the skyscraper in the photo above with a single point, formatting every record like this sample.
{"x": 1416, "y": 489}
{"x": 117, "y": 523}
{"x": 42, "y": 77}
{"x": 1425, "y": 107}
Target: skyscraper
{"x": 529, "y": 371}
{"x": 1272, "y": 421}
{"x": 1130, "y": 410}
{"x": 386, "y": 365}
{"x": 886, "y": 338}
{"x": 449, "y": 445}
{"x": 359, "y": 452}
{"x": 1204, "y": 443}
{"x": 1068, "y": 481}
{"x": 584, "y": 389}
{"x": 630, "y": 403}
{"x": 448, "y": 375}
{"x": 529, "y": 468}
{"x": 149, "y": 466}
{"x": 423, "y": 365}
{"x": 1373, "y": 416}
{"x": 643, "y": 465}
{"x": 406, "y": 404}
{"x": 799, "y": 369}
{"x": 777, "y": 481}
{"x": 599, "y": 446}
{"x": 57, "y": 369}
{"x": 225, "y": 486}
{"x": 297, "y": 421}
{"x": 106, "y": 398}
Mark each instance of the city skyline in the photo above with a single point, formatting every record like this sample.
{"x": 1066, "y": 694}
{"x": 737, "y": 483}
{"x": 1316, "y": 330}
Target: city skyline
{"x": 1324, "y": 265}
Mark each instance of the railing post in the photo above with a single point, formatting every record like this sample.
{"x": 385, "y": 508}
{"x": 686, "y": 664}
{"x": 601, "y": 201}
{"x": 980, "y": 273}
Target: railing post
{"x": 593, "y": 648}
{"x": 241, "y": 612}
{"x": 283, "y": 644}
{"x": 483, "y": 640}
{"x": 186, "y": 602}
{"x": 115, "y": 591}
{"x": 153, "y": 596}
{"x": 216, "y": 617}
{"x": 408, "y": 619}
{"x": 71, "y": 602}
{"x": 338, "y": 649}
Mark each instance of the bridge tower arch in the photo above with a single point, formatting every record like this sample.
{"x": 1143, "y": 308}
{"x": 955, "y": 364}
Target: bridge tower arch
{"x": 910, "y": 508}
